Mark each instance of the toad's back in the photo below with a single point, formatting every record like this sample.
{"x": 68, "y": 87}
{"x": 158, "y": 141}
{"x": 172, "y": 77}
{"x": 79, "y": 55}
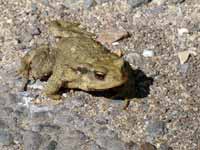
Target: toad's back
{"x": 83, "y": 50}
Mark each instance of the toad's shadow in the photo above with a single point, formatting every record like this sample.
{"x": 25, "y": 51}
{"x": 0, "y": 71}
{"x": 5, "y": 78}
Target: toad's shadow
{"x": 137, "y": 86}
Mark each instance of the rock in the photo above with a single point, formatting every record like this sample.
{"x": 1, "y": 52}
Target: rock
{"x": 184, "y": 55}
{"x": 8, "y": 99}
{"x": 156, "y": 128}
{"x": 5, "y": 137}
{"x": 136, "y": 3}
{"x": 42, "y": 113}
{"x": 89, "y": 3}
{"x": 148, "y": 53}
{"x": 92, "y": 146}
{"x": 52, "y": 145}
{"x": 111, "y": 35}
{"x": 72, "y": 139}
{"x": 32, "y": 140}
{"x": 147, "y": 146}
{"x": 45, "y": 127}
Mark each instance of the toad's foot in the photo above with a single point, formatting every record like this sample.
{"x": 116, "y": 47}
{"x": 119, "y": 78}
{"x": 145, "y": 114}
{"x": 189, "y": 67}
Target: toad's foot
{"x": 126, "y": 104}
{"x": 56, "y": 97}
{"x": 52, "y": 88}
{"x": 24, "y": 76}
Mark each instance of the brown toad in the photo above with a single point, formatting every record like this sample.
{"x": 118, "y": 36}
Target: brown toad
{"x": 77, "y": 61}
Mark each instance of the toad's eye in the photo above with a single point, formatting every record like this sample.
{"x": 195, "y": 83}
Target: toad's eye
{"x": 99, "y": 75}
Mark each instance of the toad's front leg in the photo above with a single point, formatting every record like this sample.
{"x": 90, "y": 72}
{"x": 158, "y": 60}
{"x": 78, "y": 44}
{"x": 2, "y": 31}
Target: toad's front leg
{"x": 62, "y": 75}
{"x": 24, "y": 71}
{"x": 52, "y": 88}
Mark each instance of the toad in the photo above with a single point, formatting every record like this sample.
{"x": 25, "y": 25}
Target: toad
{"x": 77, "y": 61}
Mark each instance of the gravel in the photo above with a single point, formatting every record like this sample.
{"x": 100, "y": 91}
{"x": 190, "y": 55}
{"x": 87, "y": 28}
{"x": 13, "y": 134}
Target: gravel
{"x": 163, "y": 115}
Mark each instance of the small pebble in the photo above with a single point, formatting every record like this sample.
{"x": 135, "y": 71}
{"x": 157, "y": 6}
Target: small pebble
{"x": 164, "y": 147}
{"x": 184, "y": 55}
{"x": 134, "y": 59}
{"x": 34, "y": 7}
{"x": 118, "y": 52}
{"x": 158, "y": 2}
{"x": 37, "y": 85}
{"x": 45, "y": 13}
{"x": 148, "y": 53}
{"x": 27, "y": 37}
{"x": 184, "y": 68}
{"x": 177, "y": 1}
{"x": 52, "y": 145}
{"x": 101, "y": 1}
{"x": 45, "y": 2}
{"x": 24, "y": 94}
{"x": 89, "y": 3}
{"x": 73, "y": 4}
{"x": 182, "y": 31}
{"x": 9, "y": 21}
{"x": 35, "y": 31}
{"x": 136, "y": 3}
{"x": 112, "y": 35}
{"x": 115, "y": 43}
{"x": 156, "y": 10}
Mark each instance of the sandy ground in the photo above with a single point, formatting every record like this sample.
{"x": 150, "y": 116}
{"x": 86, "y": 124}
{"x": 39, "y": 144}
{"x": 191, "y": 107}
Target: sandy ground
{"x": 166, "y": 114}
